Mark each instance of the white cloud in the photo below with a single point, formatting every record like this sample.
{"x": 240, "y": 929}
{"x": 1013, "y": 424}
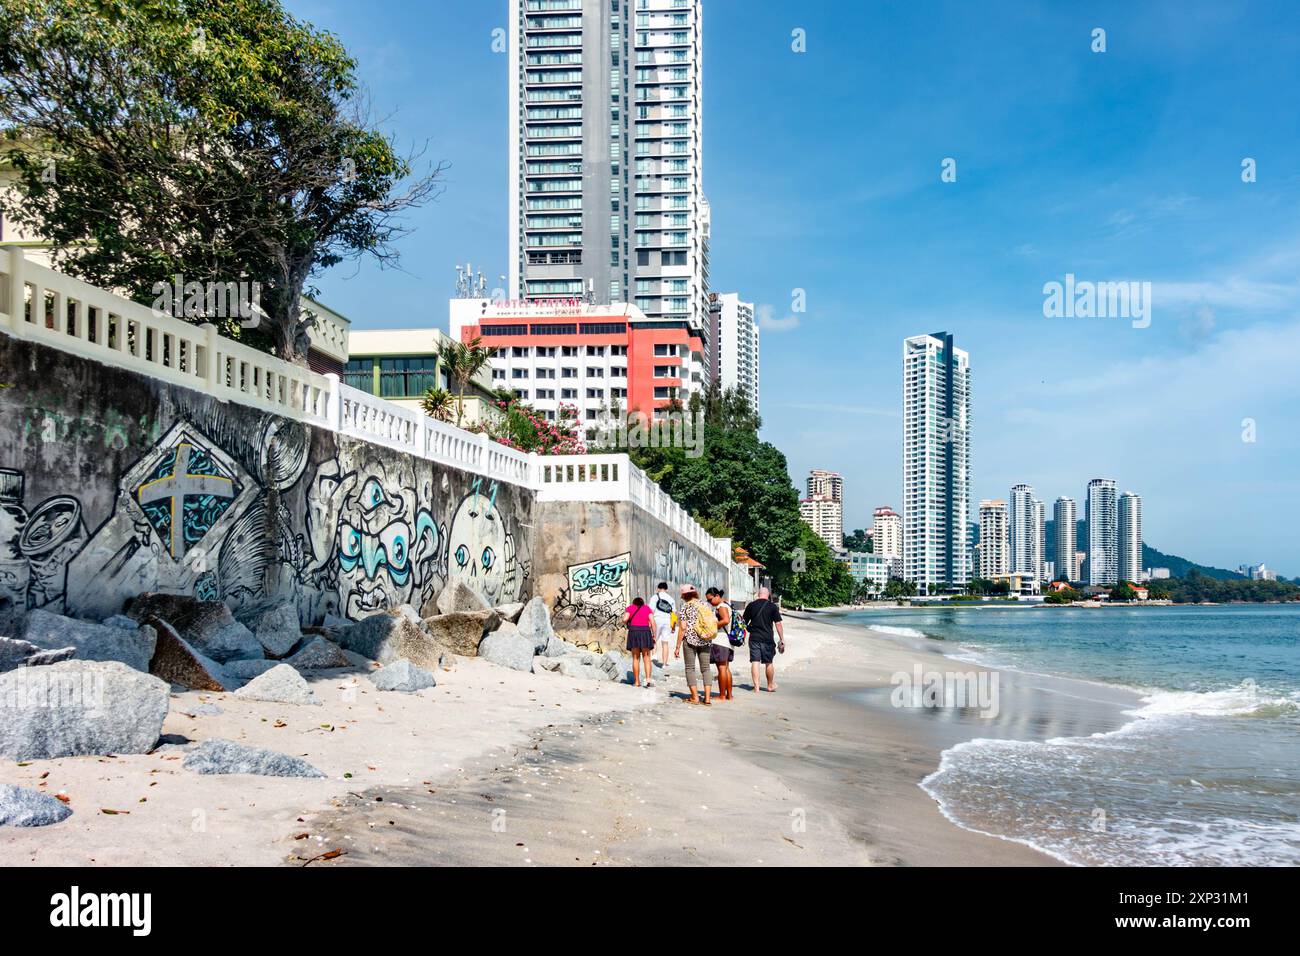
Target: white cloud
{"x": 768, "y": 321}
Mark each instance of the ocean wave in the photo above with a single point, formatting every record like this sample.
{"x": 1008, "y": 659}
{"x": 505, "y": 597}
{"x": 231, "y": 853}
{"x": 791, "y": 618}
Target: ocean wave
{"x": 1244, "y": 700}
{"x": 895, "y": 631}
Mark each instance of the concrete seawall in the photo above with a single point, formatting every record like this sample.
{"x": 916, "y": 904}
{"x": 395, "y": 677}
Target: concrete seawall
{"x": 113, "y": 482}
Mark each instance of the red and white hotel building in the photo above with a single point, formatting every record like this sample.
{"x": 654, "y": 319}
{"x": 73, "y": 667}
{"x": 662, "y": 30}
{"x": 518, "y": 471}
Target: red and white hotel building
{"x": 592, "y": 356}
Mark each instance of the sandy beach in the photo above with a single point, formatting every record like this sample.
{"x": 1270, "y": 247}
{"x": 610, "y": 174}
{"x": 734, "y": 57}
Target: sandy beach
{"x": 498, "y": 767}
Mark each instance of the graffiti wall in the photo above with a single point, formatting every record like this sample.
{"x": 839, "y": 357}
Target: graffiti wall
{"x": 112, "y": 484}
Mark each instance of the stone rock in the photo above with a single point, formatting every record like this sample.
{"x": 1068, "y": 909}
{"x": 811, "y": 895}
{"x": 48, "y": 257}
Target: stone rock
{"x": 458, "y": 597}
{"x": 280, "y": 685}
{"x": 557, "y": 646}
{"x": 226, "y": 756}
{"x": 246, "y": 669}
{"x": 21, "y": 807}
{"x": 275, "y": 626}
{"x": 176, "y": 662}
{"x": 588, "y": 666}
{"x": 546, "y": 665}
{"x": 319, "y": 654}
{"x": 402, "y": 676}
{"x": 93, "y": 642}
{"x": 79, "y": 707}
{"x": 515, "y": 651}
{"x": 393, "y": 635}
{"x": 207, "y": 625}
{"x": 204, "y": 710}
{"x": 462, "y": 632}
{"x": 19, "y": 653}
{"x": 509, "y": 612}
{"x": 122, "y": 621}
{"x": 535, "y": 621}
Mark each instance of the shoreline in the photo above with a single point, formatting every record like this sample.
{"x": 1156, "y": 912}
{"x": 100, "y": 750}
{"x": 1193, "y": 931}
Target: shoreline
{"x": 495, "y": 766}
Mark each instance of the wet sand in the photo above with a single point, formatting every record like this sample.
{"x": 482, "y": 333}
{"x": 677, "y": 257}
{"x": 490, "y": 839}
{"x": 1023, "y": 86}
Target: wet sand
{"x": 824, "y": 772}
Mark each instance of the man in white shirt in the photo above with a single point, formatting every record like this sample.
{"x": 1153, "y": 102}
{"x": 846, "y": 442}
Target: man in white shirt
{"x": 661, "y": 605}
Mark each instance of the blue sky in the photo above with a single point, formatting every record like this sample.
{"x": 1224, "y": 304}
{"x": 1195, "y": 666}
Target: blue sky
{"x": 823, "y": 170}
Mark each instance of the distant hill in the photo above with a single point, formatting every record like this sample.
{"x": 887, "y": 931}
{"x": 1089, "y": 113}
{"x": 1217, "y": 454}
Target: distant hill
{"x": 1151, "y": 558}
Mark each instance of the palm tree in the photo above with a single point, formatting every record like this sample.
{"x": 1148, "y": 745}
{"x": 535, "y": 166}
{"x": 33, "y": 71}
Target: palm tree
{"x": 462, "y": 361}
{"x": 437, "y": 404}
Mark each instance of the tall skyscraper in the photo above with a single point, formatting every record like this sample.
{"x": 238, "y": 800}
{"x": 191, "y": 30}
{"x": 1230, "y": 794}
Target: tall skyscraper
{"x": 887, "y": 532}
{"x": 1022, "y": 524}
{"x": 1130, "y": 537}
{"x": 1040, "y": 559}
{"x": 825, "y": 516}
{"x": 827, "y": 483}
{"x": 994, "y": 546}
{"x": 936, "y": 462}
{"x": 733, "y": 341}
{"x": 606, "y": 198}
{"x": 1103, "y": 532}
{"x": 1066, "y": 533}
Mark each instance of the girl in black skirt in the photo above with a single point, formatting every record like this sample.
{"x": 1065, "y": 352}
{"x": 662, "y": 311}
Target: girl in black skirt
{"x": 639, "y": 619}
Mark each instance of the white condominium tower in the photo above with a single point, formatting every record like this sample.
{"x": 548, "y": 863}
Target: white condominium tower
{"x": 887, "y": 532}
{"x": 1065, "y": 521}
{"x": 1025, "y": 531}
{"x": 606, "y": 199}
{"x": 936, "y": 462}
{"x": 993, "y": 550}
{"x": 826, "y": 517}
{"x": 1103, "y": 532}
{"x": 733, "y": 342}
{"x": 1130, "y": 537}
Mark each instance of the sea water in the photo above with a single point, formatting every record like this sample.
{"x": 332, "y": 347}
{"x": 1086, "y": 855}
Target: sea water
{"x": 1205, "y": 770}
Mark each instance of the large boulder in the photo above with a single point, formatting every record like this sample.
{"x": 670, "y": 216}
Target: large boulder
{"x": 459, "y": 596}
{"x": 589, "y": 666}
{"x": 461, "y": 632}
{"x": 177, "y": 662}
{"x": 508, "y": 649}
{"x": 19, "y": 653}
{"x": 509, "y": 612}
{"x": 402, "y": 676}
{"x": 79, "y": 707}
{"x": 207, "y": 625}
{"x": 557, "y": 646}
{"x": 280, "y": 685}
{"x": 21, "y": 807}
{"x": 226, "y": 756}
{"x": 319, "y": 654}
{"x": 93, "y": 642}
{"x": 535, "y": 621}
{"x": 275, "y": 626}
{"x": 393, "y": 635}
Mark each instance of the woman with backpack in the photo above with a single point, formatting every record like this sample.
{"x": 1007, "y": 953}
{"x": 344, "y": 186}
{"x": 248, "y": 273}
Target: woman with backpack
{"x": 720, "y": 652}
{"x": 640, "y": 639}
{"x": 696, "y": 628}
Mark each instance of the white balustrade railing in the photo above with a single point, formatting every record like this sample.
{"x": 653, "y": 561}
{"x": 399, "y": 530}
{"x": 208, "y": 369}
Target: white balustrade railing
{"x": 42, "y": 305}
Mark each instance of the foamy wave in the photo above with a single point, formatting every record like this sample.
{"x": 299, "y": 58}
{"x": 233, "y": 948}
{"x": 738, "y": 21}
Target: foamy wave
{"x": 1246, "y": 699}
{"x": 896, "y": 631}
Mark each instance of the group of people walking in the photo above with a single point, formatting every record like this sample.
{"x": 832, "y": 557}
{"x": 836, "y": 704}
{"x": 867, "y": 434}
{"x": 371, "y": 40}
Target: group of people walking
{"x": 708, "y": 631}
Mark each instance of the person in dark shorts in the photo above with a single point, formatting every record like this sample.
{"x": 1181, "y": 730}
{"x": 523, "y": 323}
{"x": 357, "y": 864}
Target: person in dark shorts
{"x": 640, "y": 639}
{"x": 762, "y": 616}
{"x": 721, "y": 653}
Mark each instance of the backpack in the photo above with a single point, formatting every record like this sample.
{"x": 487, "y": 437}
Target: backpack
{"x": 706, "y": 625}
{"x": 739, "y": 630}
{"x": 663, "y": 605}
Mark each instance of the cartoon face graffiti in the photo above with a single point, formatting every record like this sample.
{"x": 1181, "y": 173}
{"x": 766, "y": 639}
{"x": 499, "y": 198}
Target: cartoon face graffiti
{"x": 480, "y": 550}
{"x": 386, "y": 544}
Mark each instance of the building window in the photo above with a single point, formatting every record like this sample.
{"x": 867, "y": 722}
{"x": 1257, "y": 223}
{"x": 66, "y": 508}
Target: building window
{"x": 408, "y": 377}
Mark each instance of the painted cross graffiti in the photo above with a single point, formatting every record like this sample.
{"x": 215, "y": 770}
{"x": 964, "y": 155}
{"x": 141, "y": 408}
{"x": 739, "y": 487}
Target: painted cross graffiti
{"x": 195, "y": 492}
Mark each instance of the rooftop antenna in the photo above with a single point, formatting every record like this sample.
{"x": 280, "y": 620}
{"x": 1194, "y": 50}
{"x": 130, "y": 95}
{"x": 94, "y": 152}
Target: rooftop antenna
{"x": 468, "y": 284}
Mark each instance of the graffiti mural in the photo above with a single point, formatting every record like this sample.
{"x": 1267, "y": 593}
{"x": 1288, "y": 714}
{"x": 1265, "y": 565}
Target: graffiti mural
{"x": 482, "y": 551}
{"x": 233, "y": 505}
{"x": 596, "y": 594}
{"x": 679, "y": 564}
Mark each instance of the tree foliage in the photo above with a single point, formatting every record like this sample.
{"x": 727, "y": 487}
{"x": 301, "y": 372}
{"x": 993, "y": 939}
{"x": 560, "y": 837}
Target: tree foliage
{"x": 217, "y": 140}
{"x": 1197, "y": 587}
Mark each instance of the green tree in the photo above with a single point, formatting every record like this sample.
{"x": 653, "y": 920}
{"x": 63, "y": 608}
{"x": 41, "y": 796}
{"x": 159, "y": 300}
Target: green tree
{"x": 462, "y": 361}
{"x": 221, "y": 141}
{"x": 857, "y": 541}
{"x": 437, "y": 404}
{"x": 898, "y": 588}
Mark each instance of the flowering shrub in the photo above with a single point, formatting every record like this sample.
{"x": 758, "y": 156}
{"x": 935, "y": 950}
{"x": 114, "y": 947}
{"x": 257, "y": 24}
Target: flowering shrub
{"x": 522, "y": 427}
